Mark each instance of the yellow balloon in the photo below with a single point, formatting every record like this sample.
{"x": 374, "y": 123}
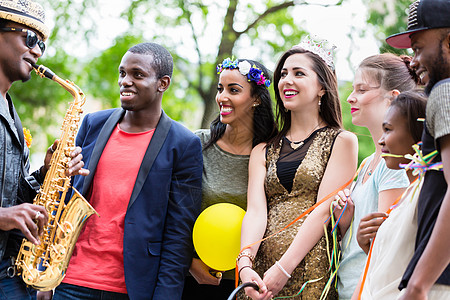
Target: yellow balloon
{"x": 217, "y": 235}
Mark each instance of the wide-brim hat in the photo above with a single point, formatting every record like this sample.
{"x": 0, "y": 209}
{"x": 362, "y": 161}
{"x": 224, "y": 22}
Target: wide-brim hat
{"x": 25, "y": 12}
{"x": 423, "y": 15}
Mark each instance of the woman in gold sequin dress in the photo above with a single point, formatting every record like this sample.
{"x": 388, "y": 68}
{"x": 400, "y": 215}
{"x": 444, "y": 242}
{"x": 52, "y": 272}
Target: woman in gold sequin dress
{"x": 310, "y": 158}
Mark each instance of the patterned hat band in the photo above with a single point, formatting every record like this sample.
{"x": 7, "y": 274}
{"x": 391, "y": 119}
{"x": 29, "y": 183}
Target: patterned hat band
{"x": 25, "y": 12}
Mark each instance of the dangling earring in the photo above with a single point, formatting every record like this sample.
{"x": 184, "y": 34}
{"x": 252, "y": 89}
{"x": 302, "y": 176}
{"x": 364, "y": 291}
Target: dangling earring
{"x": 285, "y": 109}
{"x": 320, "y": 102}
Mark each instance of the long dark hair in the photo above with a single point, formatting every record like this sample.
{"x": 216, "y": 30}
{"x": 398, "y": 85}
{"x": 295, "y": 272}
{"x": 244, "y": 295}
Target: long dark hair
{"x": 330, "y": 109}
{"x": 264, "y": 127}
{"x": 412, "y": 105}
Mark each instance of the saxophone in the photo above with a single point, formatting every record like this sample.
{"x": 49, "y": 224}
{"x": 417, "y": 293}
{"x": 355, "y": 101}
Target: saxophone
{"x": 43, "y": 266}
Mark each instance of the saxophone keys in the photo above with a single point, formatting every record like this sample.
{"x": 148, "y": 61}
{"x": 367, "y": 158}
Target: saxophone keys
{"x": 57, "y": 253}
{"x": 30, "y": 276}
{"x": 65, "y": 230}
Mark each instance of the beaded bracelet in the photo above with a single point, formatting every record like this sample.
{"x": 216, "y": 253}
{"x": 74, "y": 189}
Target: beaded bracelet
{"x": 246, "y": 254}
{"x": 282, "y": 269}
{"x": 239, "y": 273}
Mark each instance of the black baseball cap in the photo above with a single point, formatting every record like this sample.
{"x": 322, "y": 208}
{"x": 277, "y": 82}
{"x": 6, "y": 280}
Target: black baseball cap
{"x": 423, "y": 15}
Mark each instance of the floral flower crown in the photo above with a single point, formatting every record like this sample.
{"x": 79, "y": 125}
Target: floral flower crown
{"x": 319, "y": 48}
{"x": 246, "y": 69}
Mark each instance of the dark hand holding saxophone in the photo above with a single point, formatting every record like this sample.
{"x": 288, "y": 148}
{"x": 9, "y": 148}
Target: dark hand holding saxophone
{"x": 43, "y": 266}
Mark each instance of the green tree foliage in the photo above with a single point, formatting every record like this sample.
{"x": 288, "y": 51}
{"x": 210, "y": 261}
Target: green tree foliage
{"x": 388, "y": 17}
{"x": 41, "y": 103}
{"x": 189, "y": 29}
{"x": 266, "y": 25}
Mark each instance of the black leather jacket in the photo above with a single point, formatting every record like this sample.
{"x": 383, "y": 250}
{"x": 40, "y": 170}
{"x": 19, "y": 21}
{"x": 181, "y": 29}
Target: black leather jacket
{"x": 16, "y": 186}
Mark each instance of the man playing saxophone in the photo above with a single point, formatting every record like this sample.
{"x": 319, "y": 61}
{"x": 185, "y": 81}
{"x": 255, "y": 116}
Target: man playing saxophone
{"x": 22, "y": 36}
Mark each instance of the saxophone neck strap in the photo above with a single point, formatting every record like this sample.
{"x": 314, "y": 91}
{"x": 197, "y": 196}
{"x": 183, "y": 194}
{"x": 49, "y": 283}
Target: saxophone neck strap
{"x": 32, "y": 182}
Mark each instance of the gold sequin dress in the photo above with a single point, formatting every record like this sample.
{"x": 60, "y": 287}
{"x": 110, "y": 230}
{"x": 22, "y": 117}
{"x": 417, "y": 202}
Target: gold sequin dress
{"x": 284, "y": 207}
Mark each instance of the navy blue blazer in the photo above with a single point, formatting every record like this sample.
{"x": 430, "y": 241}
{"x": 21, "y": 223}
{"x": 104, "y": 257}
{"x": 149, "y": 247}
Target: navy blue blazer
{"x": 164, "y": 204}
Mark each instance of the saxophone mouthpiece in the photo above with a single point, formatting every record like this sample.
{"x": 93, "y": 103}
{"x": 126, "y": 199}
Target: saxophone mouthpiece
{"x": 43, "y": 71}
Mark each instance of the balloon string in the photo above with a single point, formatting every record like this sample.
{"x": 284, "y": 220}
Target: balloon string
{"x": 369, "y": 255}
{"x": 299, "y": 217}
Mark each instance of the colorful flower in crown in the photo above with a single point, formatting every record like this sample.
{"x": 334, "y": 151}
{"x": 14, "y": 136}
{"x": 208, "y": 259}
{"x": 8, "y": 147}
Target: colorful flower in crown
{"x": 254, "y": 74}
{"x": 227, "y": 64}
{"x": 27, "y": 136}
{"x": 262, "y": 80}
{"x": 246, "y": 69}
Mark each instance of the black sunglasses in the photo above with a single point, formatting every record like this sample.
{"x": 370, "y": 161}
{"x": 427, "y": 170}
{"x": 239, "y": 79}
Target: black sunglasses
{"x": 32, "y": 38}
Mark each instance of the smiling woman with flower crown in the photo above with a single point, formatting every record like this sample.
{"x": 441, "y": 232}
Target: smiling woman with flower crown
{"x": 245, "y": 120}
{"x": 311, "y": 157}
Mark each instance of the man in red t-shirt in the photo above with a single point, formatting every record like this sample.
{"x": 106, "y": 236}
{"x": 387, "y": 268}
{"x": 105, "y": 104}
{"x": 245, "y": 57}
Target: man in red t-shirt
{"x": 145, "y": 183}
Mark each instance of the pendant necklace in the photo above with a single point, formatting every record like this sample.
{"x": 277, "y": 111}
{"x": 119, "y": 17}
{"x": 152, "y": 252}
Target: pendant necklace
{"x": 374, "y": 165}
{"x": 297, "y": 145}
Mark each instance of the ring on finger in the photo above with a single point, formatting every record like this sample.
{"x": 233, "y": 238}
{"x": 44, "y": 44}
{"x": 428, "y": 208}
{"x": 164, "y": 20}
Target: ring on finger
{"x": 38, "y": 213}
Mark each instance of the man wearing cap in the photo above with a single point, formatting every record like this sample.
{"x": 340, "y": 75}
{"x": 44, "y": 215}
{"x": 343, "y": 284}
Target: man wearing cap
{"x": 22, "y": 36}
{"x": 428, "y": 34}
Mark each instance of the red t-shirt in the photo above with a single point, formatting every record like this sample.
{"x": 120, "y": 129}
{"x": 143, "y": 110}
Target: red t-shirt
{"x": 97, "y": 260}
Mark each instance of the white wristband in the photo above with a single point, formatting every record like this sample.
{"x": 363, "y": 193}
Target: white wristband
{"x": 282, "y": 269}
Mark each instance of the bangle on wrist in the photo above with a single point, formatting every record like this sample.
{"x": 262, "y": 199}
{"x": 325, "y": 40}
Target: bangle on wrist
{"x": 246, "y": 254}
{"x": 239, "y": 273}
{"x": 282, "y": 269}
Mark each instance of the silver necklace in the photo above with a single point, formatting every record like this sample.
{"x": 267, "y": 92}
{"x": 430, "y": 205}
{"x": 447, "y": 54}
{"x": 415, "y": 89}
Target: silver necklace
{"x": 297, "y": 145}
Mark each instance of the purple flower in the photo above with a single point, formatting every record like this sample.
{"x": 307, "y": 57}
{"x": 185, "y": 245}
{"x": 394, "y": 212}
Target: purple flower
{"x": 254, "y": 74}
